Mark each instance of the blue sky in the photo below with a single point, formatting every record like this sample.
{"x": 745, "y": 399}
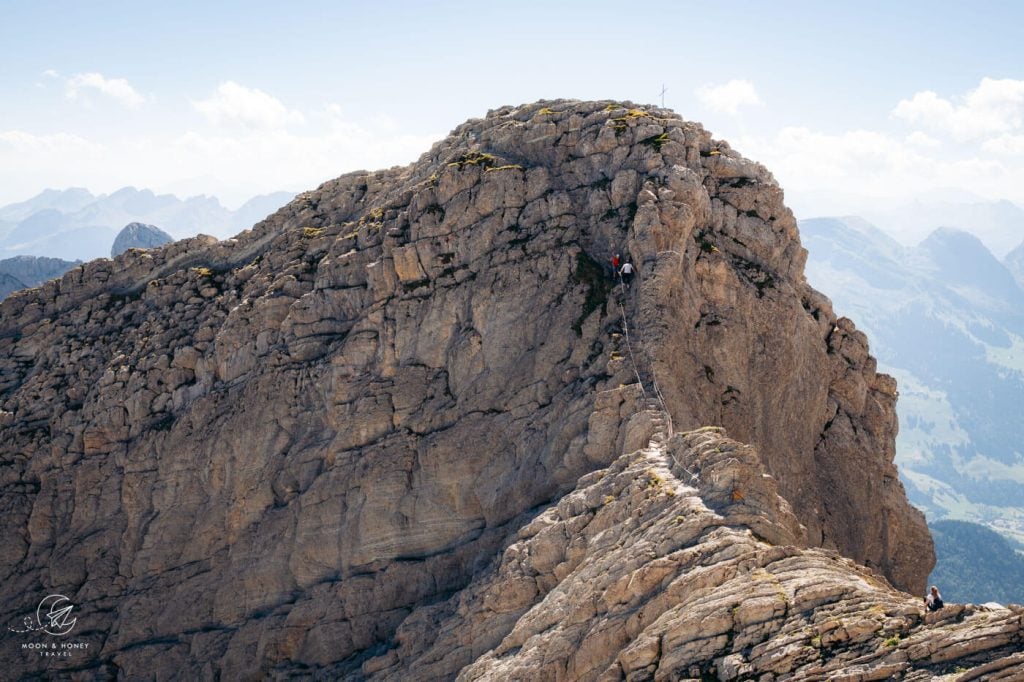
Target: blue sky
{"x": 238, "y": 98}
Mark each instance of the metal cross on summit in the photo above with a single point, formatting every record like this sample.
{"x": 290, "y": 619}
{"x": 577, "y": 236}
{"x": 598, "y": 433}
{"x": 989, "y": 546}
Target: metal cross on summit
{"x": 663, "y": 91}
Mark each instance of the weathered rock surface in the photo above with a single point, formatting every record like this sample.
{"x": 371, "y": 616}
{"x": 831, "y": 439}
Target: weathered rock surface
{"x": 637, "y": 575}
{"x": 139, "y": 236}
{"x": 290, "y": 451}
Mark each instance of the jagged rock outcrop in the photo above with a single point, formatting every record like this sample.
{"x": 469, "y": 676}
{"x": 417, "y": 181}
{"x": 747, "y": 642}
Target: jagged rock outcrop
{"x": 138, "y": 236}
{"x": 273, "y": 454}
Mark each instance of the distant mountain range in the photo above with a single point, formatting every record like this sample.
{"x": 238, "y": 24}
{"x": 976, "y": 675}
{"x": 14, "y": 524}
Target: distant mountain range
{"x": 946, "y": 317}
{"x": 910, "y": 219}
{"x": 9, "y": 284}
{"x": 21, "y": 272}
{"x": 998, "y": 224}
{"x": 75, "y": 224}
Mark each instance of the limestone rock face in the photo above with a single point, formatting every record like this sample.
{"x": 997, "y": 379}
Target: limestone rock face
{"x": 138, "y": 236}
{"x": 307, "y": 448}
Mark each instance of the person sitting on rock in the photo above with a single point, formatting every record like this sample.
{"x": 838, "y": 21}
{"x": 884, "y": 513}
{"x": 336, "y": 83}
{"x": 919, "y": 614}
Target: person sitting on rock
{"x": 626, "y": 272}
{"x": 933, "y": 600}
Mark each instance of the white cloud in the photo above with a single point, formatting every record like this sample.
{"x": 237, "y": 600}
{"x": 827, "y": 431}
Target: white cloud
{"x": 919, "y": 139}
{"x": 973, "y": 142}
{"x": 20, "y": 142}
{"x": 50, "y": 73}
{"x": 728, "y": 98}
{"x": 1007, "y": 145}
{"x": 233, "y": 164}
{"x": 995, "y": 106}
{"x": 280, "y": 159}
{"x": 810, "y": 158}
{"x": 250, "y": 107}
{"x": 877, "y": 164}
{"x": 30, "y": 163}
{"x": 116, "y": 88}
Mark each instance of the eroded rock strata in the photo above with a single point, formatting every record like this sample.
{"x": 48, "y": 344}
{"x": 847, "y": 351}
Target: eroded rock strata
{"x": 681, "y": 561}
{"x": 308, "y": 449}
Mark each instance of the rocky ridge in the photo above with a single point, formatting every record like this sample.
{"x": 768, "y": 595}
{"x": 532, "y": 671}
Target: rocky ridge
{"x": 681, "y": 561}
{"x": 274, "y": 454}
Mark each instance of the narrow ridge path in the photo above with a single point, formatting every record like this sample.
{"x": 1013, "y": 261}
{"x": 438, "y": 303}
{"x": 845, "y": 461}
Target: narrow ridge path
{"x": 653, "y": 402}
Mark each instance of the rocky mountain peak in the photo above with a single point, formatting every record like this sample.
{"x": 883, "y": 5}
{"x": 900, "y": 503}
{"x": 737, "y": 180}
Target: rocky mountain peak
{"x": 138, "y": 236}
{"x": 964, "y": 260}
{"x": 951, "y": 239}
{"x": 70, "y": 199}
{"x": 348, "y": 439}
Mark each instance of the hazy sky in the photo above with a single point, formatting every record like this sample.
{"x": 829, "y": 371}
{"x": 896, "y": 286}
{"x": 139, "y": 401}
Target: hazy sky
{"x": 239, "y": 98}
